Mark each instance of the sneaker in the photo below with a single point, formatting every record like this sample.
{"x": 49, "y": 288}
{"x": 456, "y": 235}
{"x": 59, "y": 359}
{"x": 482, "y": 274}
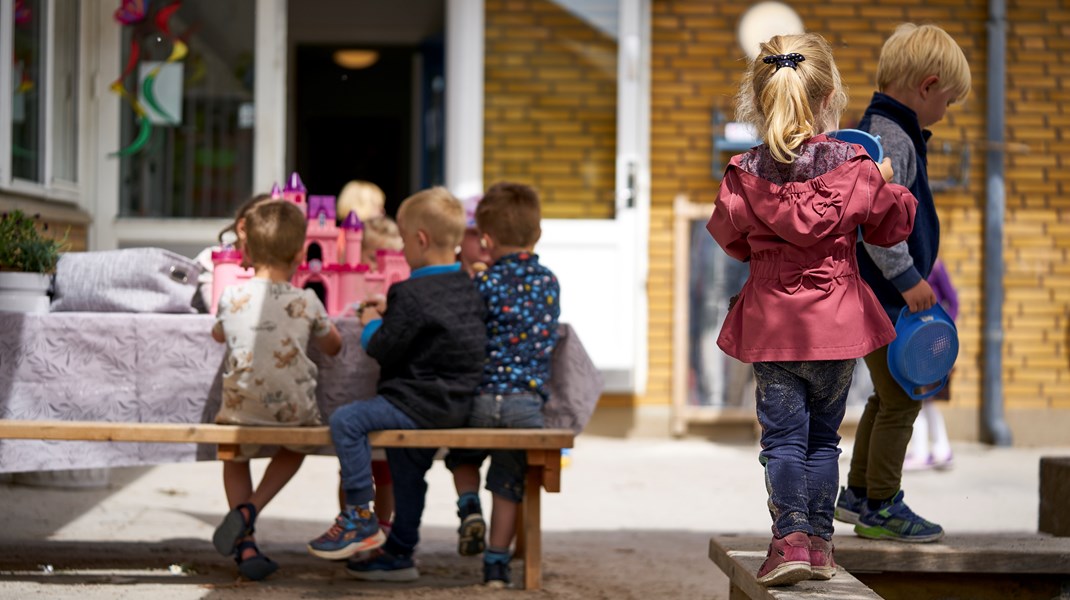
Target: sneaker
{"x": 383, "y": 567}
{"x": 917, "y": 463}
{"x": 787, "y": 562}
{"x": 347, "y": 537}
{"x": 849, "y": 506}
{"x": 496, "y": 575}
{"x": 942, "y": 463}
{"x": 471, "y": 534}
{"x": 894, "y": 520}
{"x": 822, "y": 564}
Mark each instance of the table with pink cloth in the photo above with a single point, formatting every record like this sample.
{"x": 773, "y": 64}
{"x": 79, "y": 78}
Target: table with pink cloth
{"x": 160, "y": 368}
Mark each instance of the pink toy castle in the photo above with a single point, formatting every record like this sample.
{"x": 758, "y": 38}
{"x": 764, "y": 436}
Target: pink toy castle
{"x": 332, "y": 256}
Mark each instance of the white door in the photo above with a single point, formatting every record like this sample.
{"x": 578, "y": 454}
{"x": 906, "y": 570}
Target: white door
{"x": 602, "y": 263}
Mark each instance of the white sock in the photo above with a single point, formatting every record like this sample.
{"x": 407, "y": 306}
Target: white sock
{"x": 937, "y": 431}
{"x": 919, "y": 440}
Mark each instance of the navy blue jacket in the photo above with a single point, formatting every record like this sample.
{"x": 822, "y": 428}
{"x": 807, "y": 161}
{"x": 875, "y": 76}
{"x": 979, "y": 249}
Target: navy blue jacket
{"x": 924, "y": 240}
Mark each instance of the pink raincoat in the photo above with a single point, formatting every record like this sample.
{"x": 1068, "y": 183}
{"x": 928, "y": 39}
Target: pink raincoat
{"x": 804, "y": 299}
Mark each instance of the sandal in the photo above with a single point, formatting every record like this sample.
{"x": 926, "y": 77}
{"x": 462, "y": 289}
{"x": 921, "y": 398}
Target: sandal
{"x": 255, "y": 567}
{"x": 233, "y": 528}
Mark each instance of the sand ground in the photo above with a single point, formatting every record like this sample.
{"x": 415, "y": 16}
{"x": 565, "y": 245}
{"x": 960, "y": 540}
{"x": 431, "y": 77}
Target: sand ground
{"x": 633, "y": 521}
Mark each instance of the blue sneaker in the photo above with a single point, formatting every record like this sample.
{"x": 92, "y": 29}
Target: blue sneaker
{"x": 383, "y": 567}
{"x": 349, "y": 535}
{"x": 849, "y": 506}
{"x": 497, "y": 575}
{"x": 894, "y": 520}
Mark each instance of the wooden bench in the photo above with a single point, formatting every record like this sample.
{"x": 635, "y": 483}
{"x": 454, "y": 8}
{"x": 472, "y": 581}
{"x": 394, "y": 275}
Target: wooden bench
{"x": 543, "y": 448}
{"x": 740, "y": 558}
{"x": 977, "y": 566}
{"x": 1054, "y": 510}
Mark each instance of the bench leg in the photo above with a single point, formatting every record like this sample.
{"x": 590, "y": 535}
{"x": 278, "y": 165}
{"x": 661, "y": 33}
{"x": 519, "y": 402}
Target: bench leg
{"x": 520, "y": 548}
{"x": 532, "y": 534}
{"x": 736, "y": 593}
{"x": 227, "y": 451}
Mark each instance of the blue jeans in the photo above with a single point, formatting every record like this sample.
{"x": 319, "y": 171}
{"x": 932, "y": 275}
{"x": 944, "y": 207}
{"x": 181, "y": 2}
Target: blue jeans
{"x": 508, "y": 468}
{"x": 350, "y": 425}
{"x": 800, "y": 407}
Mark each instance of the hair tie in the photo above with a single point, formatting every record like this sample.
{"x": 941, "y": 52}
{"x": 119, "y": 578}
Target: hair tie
{"x": 784, "y": 60}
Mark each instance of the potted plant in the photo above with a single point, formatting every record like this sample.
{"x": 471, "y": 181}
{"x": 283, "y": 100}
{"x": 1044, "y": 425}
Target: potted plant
{"x": 27, "y": 260}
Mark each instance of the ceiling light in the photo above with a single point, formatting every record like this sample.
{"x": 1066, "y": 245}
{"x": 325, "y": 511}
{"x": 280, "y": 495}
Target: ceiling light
{"x": 355, "y": 59}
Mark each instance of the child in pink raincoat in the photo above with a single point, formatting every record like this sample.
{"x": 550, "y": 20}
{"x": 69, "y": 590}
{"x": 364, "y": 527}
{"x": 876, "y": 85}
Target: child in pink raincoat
{"x": 794, "y": 207}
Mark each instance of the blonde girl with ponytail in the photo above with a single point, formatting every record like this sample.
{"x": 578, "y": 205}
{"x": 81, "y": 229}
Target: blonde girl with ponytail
{"x": 793, "y": 208}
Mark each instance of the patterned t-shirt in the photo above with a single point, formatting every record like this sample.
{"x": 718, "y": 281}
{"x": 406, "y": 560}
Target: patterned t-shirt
{"x": 268, "y": 378}
{"x": 523, "y": 305}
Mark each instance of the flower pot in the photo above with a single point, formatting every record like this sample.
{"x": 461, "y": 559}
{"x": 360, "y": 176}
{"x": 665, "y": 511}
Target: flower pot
{"x": 24, "y": 292}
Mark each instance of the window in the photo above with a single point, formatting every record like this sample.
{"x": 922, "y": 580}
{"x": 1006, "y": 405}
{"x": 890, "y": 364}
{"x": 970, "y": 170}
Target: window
{"x": 196, "y": 160}
{"x": 38, "y": 129}
{"x": 28, "y": 84}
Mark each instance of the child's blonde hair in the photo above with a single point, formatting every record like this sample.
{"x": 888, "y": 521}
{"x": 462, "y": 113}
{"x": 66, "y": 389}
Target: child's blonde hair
{"x": 437, "y": 212}
{"x": 789, "y": 105}
{"x": 362, "y": 197}
{"x": 274, "y": 233}
{"x": 914, "y": 52}
{"x": 380, "y": 233}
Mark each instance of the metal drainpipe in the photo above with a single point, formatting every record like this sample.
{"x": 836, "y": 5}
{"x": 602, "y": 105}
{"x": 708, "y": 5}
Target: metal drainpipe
{"x": 994, "y": 429}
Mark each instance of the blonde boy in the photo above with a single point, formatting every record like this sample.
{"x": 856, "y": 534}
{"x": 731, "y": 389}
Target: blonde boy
{"x": 921, "y": 72}
{"x": 429, "y": 339}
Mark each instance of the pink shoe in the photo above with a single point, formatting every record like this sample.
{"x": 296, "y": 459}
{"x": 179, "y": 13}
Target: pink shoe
{"x": 787, "y": 562}
{"x": 822, "y": 564}
{"x": 917, "y": 463}
{"x": 943, "y": 463}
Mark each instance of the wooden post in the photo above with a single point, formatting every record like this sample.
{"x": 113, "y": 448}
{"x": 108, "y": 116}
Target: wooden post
{"x": 532, "y": 528}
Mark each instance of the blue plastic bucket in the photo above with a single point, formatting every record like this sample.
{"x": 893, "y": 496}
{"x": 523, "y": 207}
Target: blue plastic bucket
{"x": 869, "y": 142}
{"x": 923, "y": 352}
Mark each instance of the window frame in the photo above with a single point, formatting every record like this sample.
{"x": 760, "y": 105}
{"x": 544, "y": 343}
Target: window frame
{"x": 109, "y": 229}
{"x": 49, "y": 188}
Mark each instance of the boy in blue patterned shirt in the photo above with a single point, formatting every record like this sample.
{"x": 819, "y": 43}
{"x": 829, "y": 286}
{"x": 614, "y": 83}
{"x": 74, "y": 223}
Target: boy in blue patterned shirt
{"x": 522, "y": 301}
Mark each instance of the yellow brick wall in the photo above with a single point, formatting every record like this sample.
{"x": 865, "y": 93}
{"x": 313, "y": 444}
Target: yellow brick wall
{"x": 550, "y": 115}
{"x": 549, "y": 120}
{"x": 696, "y": 65}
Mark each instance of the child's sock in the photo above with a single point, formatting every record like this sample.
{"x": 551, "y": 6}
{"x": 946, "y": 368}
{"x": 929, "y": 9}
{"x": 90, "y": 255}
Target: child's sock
{"x": 359, "y": 511}
{"x": 496, "y": 555}
{"x": 468, "y": 503}
{"x": 859, "y": 492}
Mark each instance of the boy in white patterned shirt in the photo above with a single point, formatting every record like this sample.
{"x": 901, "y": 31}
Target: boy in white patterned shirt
{"x": 268, "y": 378}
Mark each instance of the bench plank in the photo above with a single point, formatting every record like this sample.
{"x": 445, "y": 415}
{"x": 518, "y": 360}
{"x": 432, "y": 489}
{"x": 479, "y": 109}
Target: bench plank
{"x": 993, "y": 553}
{"x": 740, "y": 562}
{"x": 210, "y": 433}
{"x": 543, "y": 448}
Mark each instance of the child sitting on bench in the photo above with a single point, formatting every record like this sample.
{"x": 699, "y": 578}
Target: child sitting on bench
{"x": 429, "y": 340}
{"x": 522, "y": 298}
{"x": 267, "y": 377}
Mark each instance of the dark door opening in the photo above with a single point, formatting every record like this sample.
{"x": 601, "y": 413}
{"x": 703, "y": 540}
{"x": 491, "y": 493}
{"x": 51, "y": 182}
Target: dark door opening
{"x": 355, "y": 123}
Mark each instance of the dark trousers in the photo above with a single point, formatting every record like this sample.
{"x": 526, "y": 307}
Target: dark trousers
{"x": 883, "y": 433}
{"x": 800, "y": 406}
{"x": 408, "y": 467}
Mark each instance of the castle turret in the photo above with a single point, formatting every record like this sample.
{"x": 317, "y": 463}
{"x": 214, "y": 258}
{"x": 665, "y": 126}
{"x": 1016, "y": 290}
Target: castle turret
{"x": 296, "y": 192}
{"x": 353, "y": 238}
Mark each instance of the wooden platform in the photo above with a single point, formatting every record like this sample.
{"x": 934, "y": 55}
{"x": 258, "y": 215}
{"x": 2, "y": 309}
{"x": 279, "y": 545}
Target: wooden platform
{"x": 543, "y": 447}
{"x": 740, "y": 558}
{"x": 976, "y": 566}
